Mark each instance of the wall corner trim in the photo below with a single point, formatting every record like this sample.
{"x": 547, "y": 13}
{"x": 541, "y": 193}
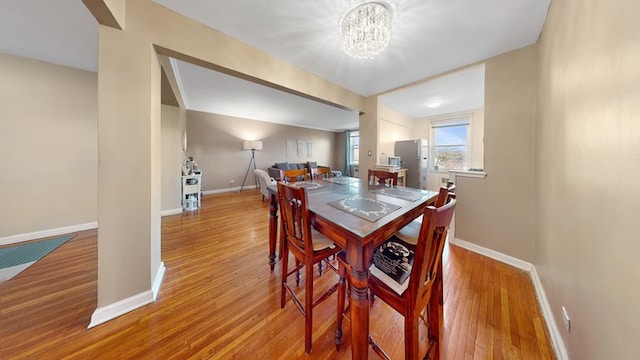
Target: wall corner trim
{"x": 556, "y": 339}
{"x": 112, "y": 311}
{"x": 171, "y": 212}
{"x": 157, "y": 282}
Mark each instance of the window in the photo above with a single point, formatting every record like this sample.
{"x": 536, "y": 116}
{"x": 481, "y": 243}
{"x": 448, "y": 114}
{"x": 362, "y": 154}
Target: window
{"x": 354, "y": 146}
{"x": 450, "y": 139}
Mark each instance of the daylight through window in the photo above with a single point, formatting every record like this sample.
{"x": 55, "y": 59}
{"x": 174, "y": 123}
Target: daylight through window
{"x": 354, "y": 145}
{"x": 450, "y": 141}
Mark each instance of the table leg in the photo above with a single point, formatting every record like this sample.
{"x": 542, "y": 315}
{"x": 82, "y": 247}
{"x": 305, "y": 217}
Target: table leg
{"x": 273, "y": 230}
{"x": 359, "y": 260}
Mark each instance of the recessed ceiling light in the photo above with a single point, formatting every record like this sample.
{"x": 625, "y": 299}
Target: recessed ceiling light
{"x": 434, "y": 103}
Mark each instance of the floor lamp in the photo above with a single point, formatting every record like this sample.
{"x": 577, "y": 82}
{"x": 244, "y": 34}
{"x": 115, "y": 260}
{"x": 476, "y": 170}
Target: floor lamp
{"x": 253, "y": 146}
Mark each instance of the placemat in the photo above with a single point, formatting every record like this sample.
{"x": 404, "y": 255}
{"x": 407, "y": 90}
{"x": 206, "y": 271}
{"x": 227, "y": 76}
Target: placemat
{"x": 342, "y": 180}
{"x": 404, "y": 194}
{"x": 307, "y": 185}
{"x": 368, "y": 209}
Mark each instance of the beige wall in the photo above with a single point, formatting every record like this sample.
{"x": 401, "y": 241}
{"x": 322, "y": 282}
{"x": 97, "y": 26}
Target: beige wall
{"x": 128, "y": 97}
{"x": 215, "y": 142}
{"x": 48, "y": 150}
{"x": 393, "y": 127}
{"x": 587, "y": 167}
{"x": 498, "y": 212}
{"x": 172, "y": 157}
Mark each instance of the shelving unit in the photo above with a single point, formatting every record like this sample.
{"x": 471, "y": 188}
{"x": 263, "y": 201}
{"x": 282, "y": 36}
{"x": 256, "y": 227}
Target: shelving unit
{"x": 191, "y": 189}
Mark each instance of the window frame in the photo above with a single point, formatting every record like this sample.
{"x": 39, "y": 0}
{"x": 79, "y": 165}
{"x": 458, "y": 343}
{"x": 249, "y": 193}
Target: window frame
{"x": 354, "y": 149}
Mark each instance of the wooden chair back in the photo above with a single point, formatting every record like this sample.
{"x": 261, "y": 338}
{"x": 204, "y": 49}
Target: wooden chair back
{"x": 428, "y": 255}
{"x": 321, "y": 173}
{"x": 295, "y": 175}
{"x": 425, "y": 277}
{"x": 307, "y": 249}
{"x": 444, "y": 195}
{"x": 382, "y": 177}
{"x": 294, "y": 214}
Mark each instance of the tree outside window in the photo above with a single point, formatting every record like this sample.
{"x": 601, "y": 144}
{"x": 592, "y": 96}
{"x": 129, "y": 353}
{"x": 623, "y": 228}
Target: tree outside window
{"x": 450, "y": 150}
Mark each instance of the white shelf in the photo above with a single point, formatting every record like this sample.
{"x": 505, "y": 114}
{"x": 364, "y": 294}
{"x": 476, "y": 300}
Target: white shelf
{"x": 191, "y": 189}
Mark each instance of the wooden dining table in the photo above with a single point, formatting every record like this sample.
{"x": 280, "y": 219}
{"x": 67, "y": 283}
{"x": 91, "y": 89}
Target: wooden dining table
{"x": 357, "y": 217}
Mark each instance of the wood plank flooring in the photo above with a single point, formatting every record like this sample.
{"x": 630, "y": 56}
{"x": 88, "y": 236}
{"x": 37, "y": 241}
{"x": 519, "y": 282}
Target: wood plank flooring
{"x": 219, "y": 300}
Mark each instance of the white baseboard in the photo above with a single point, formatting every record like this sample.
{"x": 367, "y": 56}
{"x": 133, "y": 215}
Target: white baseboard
{"x": 47, "y": 233}
{"x": 155, "y": 287}
{"x": 109, "y": 312}
{"x": 515, "y": 262}
{"x": 106, "y": 313}
{"x": 233, "y": 189}
{"x": 556, "y": 339}
{"x": 171, "y": 212}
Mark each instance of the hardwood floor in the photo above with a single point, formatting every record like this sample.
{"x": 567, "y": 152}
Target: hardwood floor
{"x": 219, "y": 300}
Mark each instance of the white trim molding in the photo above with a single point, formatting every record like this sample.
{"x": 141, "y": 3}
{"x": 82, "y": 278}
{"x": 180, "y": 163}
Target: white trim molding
{"x": 112, "y": 311}
{"x": 515, "y": 262}
{"x": 171, "y": 212}
{"x": 469, "y": 174}
{"x": 109, "y": 312}
{"x": 556, "y": 339}
{"x": 157, "y": 282}
{"x": 13, "y": 239}
{"x": 233, "y": 189}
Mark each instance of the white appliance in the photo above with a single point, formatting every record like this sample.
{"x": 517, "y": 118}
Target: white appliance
{"x": 414, "y": 155}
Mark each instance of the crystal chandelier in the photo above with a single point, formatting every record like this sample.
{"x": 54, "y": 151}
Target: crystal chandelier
{"x": 366, "y": 30}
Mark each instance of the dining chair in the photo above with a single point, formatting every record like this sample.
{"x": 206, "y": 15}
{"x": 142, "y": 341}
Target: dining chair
{"x": 321, "y": 173}
{"x": 410, "y": 232}
{"x": 382, "y": 177}
{"x": 308, "y": 247}
{"x": 264, "y": 180}
{"x": 295, "y": 175}
{"x": 417, "y": 299}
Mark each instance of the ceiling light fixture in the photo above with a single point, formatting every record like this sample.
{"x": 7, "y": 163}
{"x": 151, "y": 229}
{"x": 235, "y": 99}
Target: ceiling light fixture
{"x": 432, "y": 104}
{"x": 366, "y": 30}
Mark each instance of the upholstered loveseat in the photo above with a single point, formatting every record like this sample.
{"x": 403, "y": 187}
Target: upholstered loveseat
{"x": 275, "y": 171}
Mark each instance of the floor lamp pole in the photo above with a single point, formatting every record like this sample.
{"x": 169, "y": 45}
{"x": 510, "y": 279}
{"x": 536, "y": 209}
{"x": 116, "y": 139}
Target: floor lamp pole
{"x": 252, "y": 161}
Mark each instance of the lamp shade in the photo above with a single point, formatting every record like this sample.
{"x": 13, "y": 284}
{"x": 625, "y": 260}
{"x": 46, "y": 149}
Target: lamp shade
{"x": 252, "y": 145}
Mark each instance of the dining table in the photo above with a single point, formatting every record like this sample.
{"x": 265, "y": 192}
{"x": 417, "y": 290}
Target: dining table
{"x": 358, "y": 217}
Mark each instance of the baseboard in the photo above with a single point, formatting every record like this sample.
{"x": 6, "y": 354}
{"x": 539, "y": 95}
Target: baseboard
{"x": 109, "y": 312}
{"x": 155, "y": 288}
{"x": 233, "y": 189}
{"x": 8, "y": 240}
{"x": 554, "y": 332}
{"x": 515, "y": 262}
{"x": 171, "y": 212}
{"x": 556, "y": 339}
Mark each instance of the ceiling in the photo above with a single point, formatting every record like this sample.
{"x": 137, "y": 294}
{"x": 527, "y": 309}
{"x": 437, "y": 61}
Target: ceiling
{"x": 429, "y": 37}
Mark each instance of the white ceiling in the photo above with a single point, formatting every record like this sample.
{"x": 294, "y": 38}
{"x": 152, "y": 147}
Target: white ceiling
{"x": 429, "y": 37}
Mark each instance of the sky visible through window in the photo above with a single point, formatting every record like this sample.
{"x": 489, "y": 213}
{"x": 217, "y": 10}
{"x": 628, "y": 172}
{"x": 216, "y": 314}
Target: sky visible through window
{"x": 450, "y": 147}
{"x": 451, "y": 135}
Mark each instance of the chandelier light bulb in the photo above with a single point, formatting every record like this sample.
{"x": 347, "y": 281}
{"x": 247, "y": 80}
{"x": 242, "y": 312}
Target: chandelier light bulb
{"x": 366, "y": 30}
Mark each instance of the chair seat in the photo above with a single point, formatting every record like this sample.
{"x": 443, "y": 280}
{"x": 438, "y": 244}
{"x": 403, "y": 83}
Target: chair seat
{"x": 411, "y": 231}
{"x": 321, "y": 242}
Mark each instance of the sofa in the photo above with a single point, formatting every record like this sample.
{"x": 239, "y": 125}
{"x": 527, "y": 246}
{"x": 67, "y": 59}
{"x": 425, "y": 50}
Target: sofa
{"x": 275, "y": 171}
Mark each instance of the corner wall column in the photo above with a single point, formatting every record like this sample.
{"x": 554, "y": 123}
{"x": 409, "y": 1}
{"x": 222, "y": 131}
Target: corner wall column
{"x": 128, "y": 173}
